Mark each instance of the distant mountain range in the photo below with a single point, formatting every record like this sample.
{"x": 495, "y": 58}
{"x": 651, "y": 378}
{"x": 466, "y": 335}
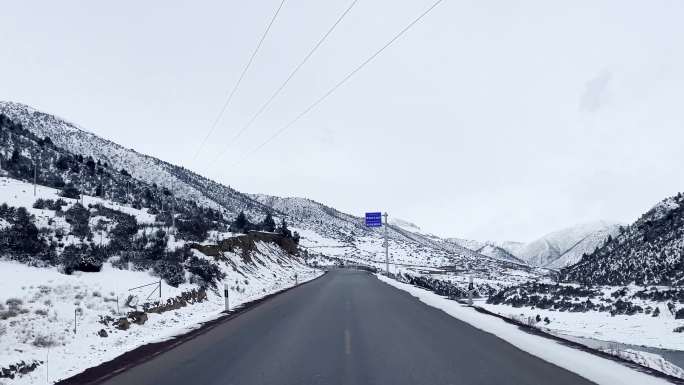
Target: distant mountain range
{"x": 555, "y": 250}
{"x": 565, "y": 247}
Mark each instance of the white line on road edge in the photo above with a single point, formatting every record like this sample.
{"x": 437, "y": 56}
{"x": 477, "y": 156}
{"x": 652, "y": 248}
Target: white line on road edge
{"x": 589, "y": 366}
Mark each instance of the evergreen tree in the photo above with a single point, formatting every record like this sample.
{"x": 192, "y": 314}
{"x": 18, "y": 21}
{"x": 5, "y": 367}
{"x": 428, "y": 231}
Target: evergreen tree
{"x": 282, "y": 229}
{"x": 240, "y": 224}
{"x": 268, "y": 224}
{"x": 78, "y": 217}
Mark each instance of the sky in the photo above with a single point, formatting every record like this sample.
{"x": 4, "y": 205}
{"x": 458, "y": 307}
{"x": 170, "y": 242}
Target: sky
{"x": 490, "y": 120}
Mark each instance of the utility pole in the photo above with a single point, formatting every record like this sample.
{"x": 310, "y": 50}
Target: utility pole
{"x": 173, "y": 216}
{"x": 35, "y": 176}
{"x": 386, "y": 244}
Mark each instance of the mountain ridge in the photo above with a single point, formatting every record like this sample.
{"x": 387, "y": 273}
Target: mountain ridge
{"x": 319, "y": 221}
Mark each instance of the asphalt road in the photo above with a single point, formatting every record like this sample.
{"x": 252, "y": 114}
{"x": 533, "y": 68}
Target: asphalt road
{"x": 345, "y": 328}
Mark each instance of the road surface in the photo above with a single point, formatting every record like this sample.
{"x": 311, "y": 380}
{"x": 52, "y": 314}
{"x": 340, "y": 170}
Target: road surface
{"x": 345, "y": 328}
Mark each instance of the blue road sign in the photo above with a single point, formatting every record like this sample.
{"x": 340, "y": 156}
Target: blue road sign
{"x": 374, "y": 219}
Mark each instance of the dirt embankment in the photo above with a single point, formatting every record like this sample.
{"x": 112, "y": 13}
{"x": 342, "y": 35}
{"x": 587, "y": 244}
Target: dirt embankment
{"x": 246, "y": 244}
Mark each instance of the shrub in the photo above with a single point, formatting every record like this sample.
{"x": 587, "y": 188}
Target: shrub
{"x": 23, "y": 238}
{"x": 170, "y": 267}
{"x": 14, "y": 303}
{"x": 42, "y": 312}
{"x": 42, "y": 341}
{"x": 78, "y": 216}
{"x": 82, "y": 258}
{"x": 207, "y": 273}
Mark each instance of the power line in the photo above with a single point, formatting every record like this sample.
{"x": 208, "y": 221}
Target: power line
{"x": 284, "y": 84}
{"x": 339, "y": 84}
{"x": 237, "y": 84}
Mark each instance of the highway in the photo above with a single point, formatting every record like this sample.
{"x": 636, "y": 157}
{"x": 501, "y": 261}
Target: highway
{"x": 346, "y": 327}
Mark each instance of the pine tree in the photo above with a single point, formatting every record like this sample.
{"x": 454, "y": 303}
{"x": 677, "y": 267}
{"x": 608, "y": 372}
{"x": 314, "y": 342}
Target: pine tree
{"x": 268, "y": 224}
{"x": 240, "y": 224}
{"x": 282, "y": 229}
{"x": 70, "y": 191}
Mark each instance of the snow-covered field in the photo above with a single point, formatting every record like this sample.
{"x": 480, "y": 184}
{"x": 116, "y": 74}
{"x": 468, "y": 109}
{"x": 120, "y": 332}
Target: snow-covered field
{"x": 592, "y": 367}
{"x": 50, "y": 302}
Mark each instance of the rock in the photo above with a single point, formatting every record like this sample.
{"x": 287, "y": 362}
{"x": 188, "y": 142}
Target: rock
{"x": 122, "y": 323}
{"x": 102, "y": 333}
{"x": 678, "y": 329}
{"x": 138, "y": 317}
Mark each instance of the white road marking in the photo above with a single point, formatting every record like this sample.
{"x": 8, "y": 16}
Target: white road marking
{"x": 347, "y": 342}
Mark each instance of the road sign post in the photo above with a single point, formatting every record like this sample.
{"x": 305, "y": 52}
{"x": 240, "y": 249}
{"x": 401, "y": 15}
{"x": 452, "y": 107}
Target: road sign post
{"x": 374, "y": 219}
{"x": 386, "y": 246}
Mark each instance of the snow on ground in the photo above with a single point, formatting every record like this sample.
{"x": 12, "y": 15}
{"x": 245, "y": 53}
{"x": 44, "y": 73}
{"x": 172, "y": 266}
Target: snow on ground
{"x": 589, "y": 366}
{"x": 637, "y": 329}
{"x": 17, "y": 193}
{"x": 49, "y": 302}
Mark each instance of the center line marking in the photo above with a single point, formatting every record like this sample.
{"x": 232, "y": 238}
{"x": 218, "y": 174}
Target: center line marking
{"x": 347, "y": 342}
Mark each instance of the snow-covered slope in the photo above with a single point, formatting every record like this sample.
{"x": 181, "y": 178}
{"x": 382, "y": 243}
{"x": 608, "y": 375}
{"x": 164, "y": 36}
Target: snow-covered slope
{"x": 47, "y": 302}
{"x": 314, "y": 220}
{"x": 326, "y": 230}
{"x": 498, "y": 252}
{"x": 491, "y": 249}
{"x": 38, "y": 301}
{"x": 648, "y": 252}
{"x": 555, "y": 250}
{"x": 566, "y": 247}
{"x": 406, "y": 225}
{"x": 182, "y": 182}
{"x": 467, "y": 243}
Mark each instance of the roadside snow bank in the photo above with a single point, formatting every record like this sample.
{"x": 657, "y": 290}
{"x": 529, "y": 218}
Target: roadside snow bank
{"x": 649, "y": 360}
{"x": 591, "y": 367}
{"x": 39, "y": 325}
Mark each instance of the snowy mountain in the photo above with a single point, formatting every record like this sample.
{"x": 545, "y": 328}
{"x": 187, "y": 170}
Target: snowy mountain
{"x": 467, "y": 243}
{"x": 90, "y": 242}
{"x": 648, "y": 252}
{"x": 323, "y": 229}
{"x": 326, "y": 230}
{"x": 498, "y": 253}
{"x": 555, "y": 250}
{"x": 565, "y": 247}
{"x": 180, "y": 181}
{"x": 406, "y": 225}
{"x": 502, "y": 250}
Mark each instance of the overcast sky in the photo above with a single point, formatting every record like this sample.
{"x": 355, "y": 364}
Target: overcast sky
{"x": 496, "y": 119}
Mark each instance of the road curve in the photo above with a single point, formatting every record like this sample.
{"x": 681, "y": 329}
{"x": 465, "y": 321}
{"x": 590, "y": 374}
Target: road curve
{"x": 345, "y": 328}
